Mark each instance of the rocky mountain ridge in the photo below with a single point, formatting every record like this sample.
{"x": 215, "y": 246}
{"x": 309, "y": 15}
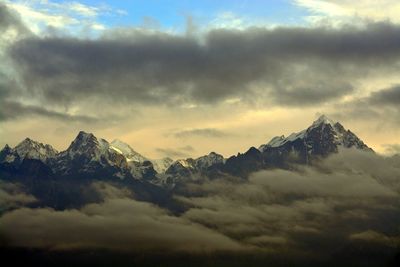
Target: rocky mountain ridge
{"x": 89, "y": 156}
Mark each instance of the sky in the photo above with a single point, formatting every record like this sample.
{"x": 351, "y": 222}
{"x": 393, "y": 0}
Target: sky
{"x": 183, "y": 78}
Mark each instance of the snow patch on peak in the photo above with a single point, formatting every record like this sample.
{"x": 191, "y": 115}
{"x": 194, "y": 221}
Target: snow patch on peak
{"x": 124, "y": 149}
{"x": 206, "y": 161}
{"x": 276, "y": 141}
{"x": 121, "y": 145}
{"x": 82, "y": 135}
{"x": 295, "y": 136}
{"x": 323, "y": 131}
{"x": 161, "y": 165}
{"x": 323, "y": 119}
{"x": 185, "y": 163}
{"x": 29, "y": 148}
{"x": 83, "y": 143}
{"x": 117, "y": 150}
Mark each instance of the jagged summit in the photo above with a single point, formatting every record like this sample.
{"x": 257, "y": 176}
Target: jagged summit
{"x": 89, "y": 156}
{"x": 136, "y": 160}
{"x": 204, "y": 162}
{"x": 6, "y": 147}
{"x": 324, "y": 136}
{"x": 83, "y": 135}
{"x": 86, "y": 144}
{"x": 26, "y": 142}
{"x": 280, "y": 140}
{"x": 29, "y": 148}
{"x": 186, "y": 169}
{"x": 323, "y": 119}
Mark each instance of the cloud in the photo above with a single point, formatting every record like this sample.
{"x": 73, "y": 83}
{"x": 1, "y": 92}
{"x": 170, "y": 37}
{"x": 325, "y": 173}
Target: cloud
{"x": 314, "y": 183}
{"x": 204, "y": 132}
{"x": 13, "y": 110}
{"x": 387, "y": 96}
{"x": 392, "y": 148}
{"x": 179, "y": 152}
{"x": 131, "y": 226}
{"x": 187, "y": 148}
{"x": 282, "y": 66}
{"x": 339, "y": 12}
{"x": 173, "y": 153}
{"x": 11, "y": 28}
{"x": 347, "y": 202}
{"x": 45, "y": 17}
{"x": 372, "y": 236}
{"x": 382, "y": 105}
{"x": 12, "y": 196}
{"x": 9, "y": 19}
{"x": 84, "y": 10}
{"x": 310, "y": 209}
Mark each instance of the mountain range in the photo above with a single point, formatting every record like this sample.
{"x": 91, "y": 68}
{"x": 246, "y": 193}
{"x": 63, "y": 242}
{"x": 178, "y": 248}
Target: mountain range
{"x": 89, "y": 158}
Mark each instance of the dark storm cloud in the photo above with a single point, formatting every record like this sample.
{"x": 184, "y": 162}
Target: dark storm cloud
{"x": 388, "y": 96}
{"x": 12, "y": 110}
{"x": 204, "y": 132}
{"x": 284, "y": 66}
{"x": 13, "y": 196}
{"x": 383, "y": 104}
{"x": 290, "y": 95}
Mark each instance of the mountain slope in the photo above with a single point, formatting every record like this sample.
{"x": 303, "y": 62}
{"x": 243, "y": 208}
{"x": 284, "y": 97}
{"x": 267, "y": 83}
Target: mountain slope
{"x": 161, "y": 165}
{"x": 324, "y": 136}
{"x": 29, "y": 149}
{"x": 193, "y": 169}
{"x": 127, "y": 151}
{"x": 321, "y": 139}
{"x": 89, "y": 156}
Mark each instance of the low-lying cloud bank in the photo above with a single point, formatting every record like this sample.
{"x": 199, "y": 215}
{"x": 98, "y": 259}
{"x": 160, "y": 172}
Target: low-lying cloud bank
{"x": 12, "y": 196}
{"x": 348, "y": 202}
{"x": 117, "y": 224}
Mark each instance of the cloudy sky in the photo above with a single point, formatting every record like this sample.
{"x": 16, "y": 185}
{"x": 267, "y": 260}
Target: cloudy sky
{"x": 183, "y": 78}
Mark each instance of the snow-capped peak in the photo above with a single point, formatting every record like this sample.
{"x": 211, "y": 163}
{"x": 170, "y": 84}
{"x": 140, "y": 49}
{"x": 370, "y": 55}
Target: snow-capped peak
{"x": 85, "y": 137}
{"x": 323, "y": 120}
{"x": 127, "y": 151}
{"x": 281, "y": 140}
{"x": 83, "y": 142}
{"x": 208, "y": 160}
{"x": 29, "y": 148}
{"x": 185, "y": 163}
{"x": 337, "y": 135}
